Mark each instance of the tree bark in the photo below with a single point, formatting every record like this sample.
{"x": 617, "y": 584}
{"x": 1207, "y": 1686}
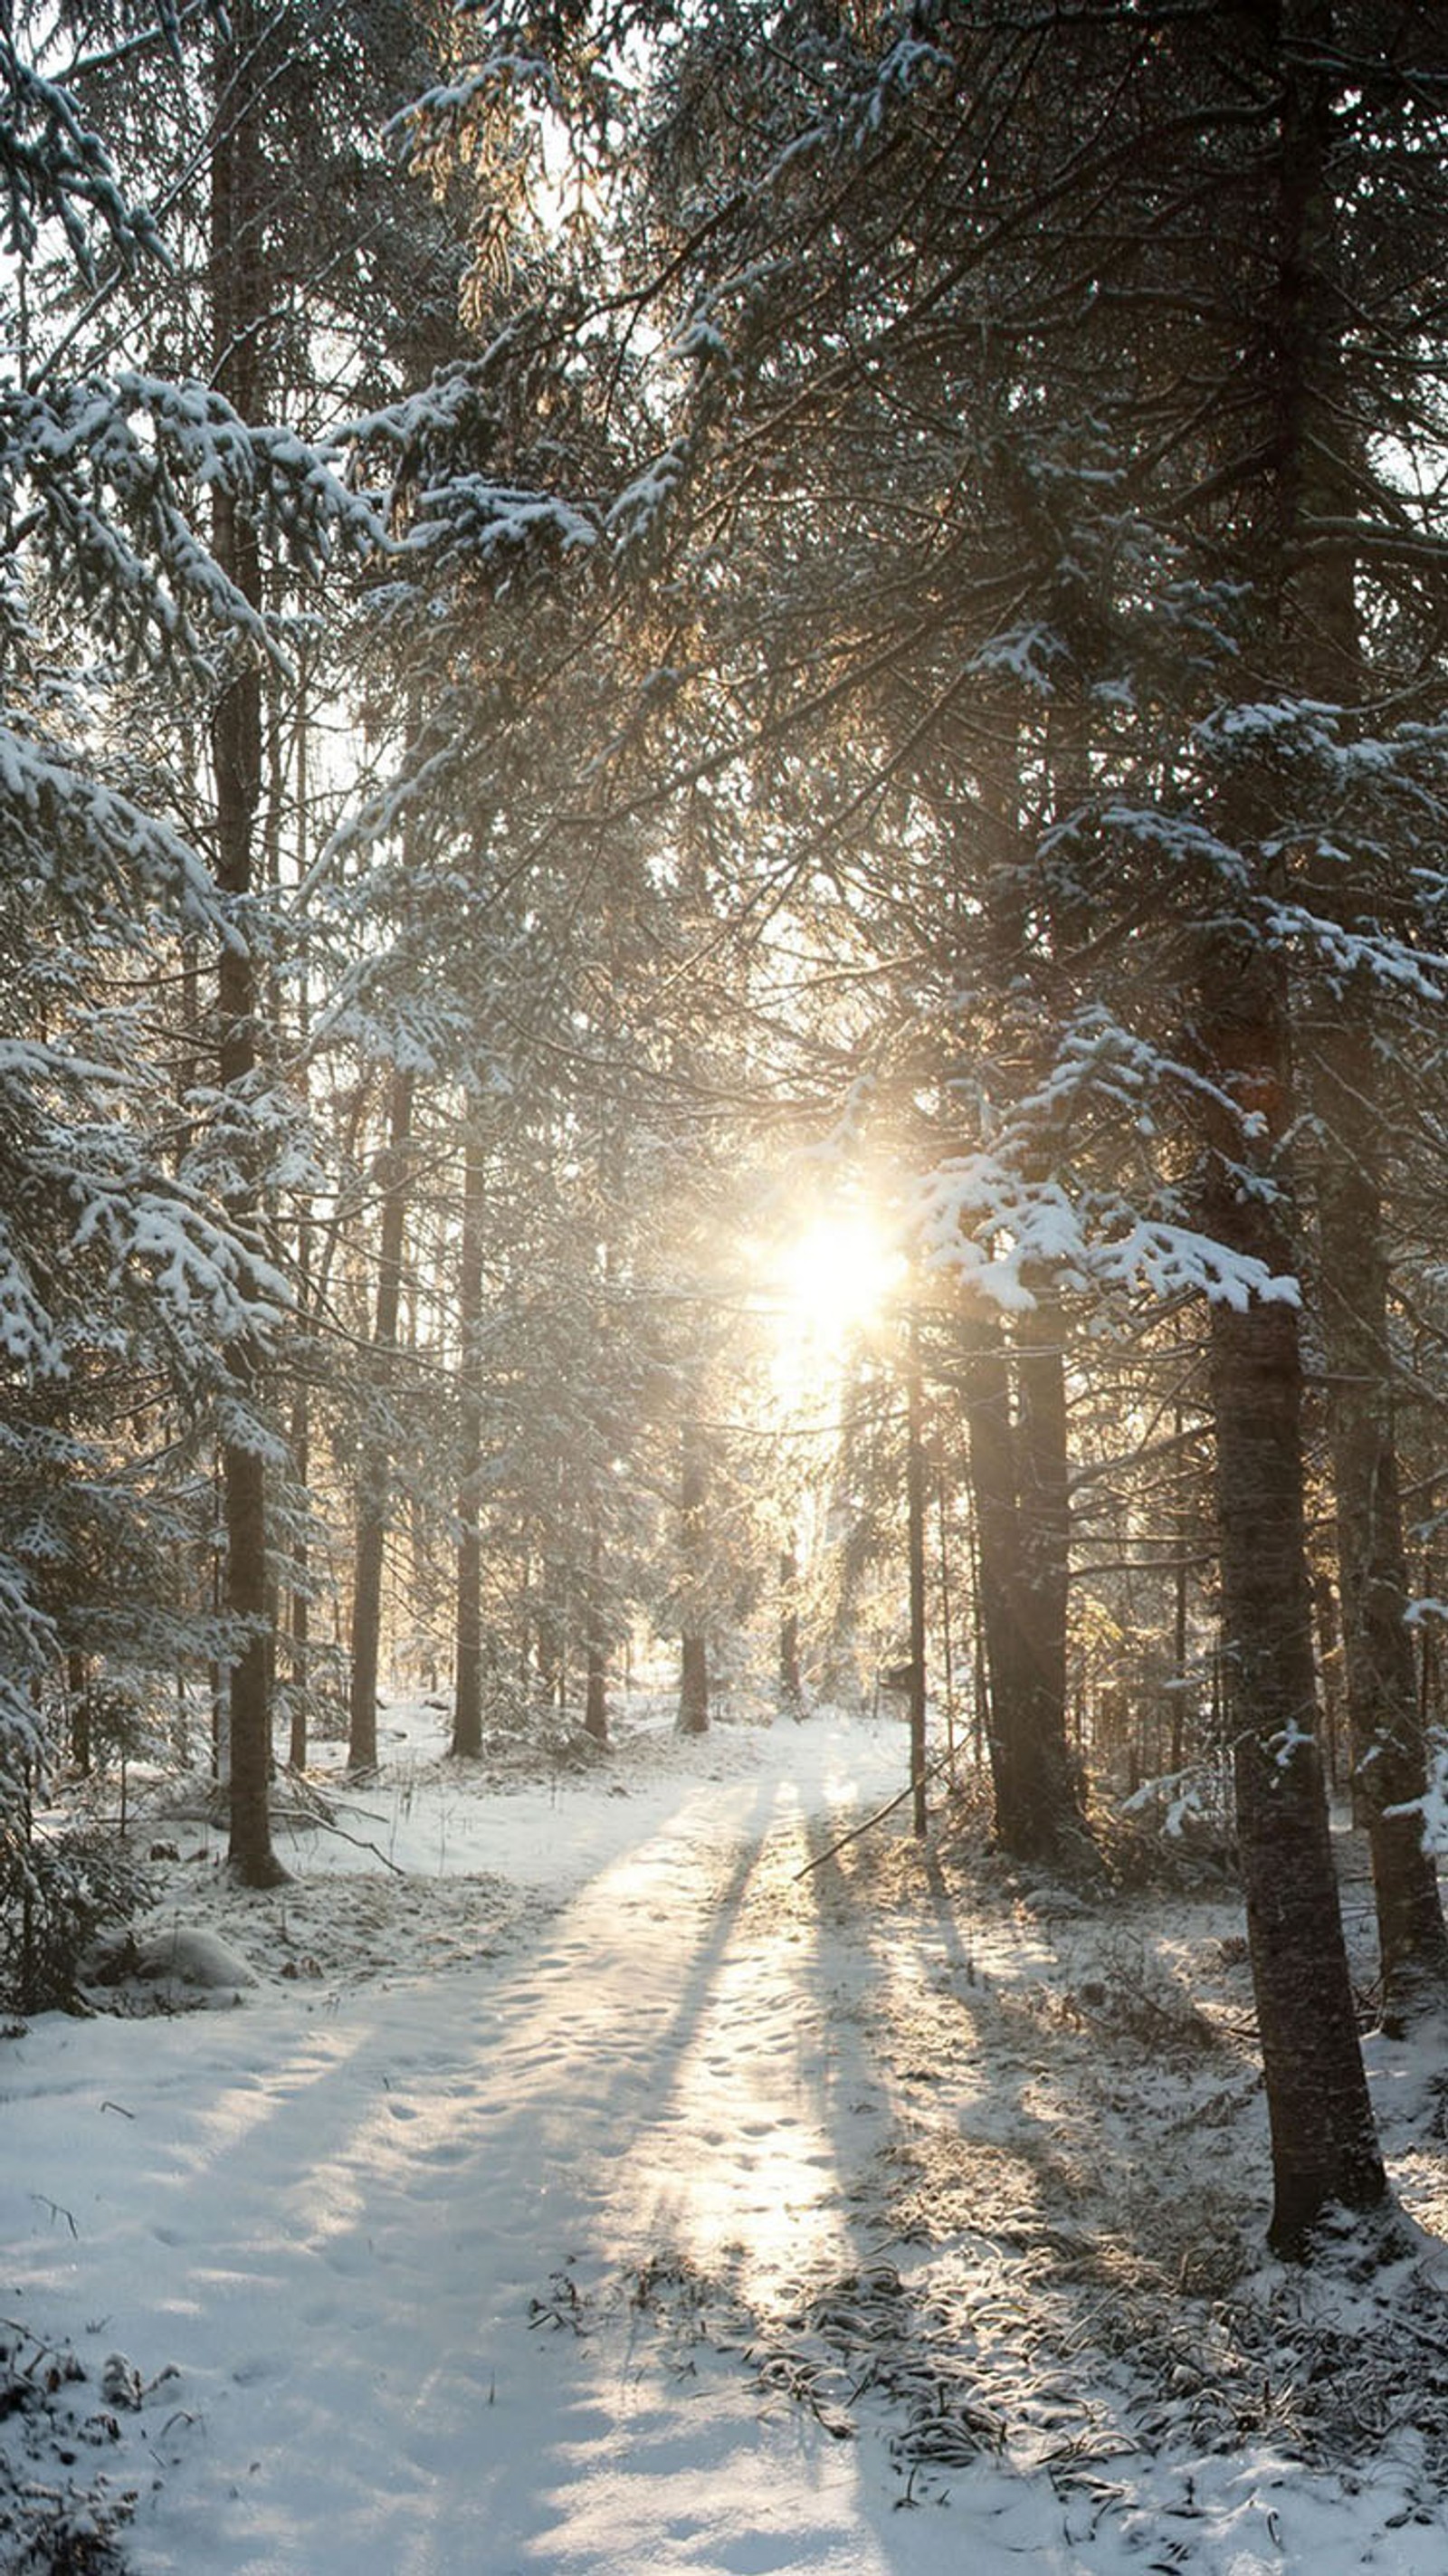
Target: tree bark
{"x": 300, "y": 1671}
{"x": 467, "y": 1588}
{"x": 693, "y": 1551}
{"x": 1389, "y": 1759}
{"x": 987, "y": 1396}
{"x": 1390, "y": 1771}
{"x": 915, "y": 1519}
{"x": 78, "y": 1702}
{"x": 375, "y": 1475}
{"x": 791, "y": 1679}
{"x": 1018, "y": 1474}
{"x": 1045, "y": 1549}
{"x": 1324, "y": 2147}
{"x": 238, "y": 308}
{"x": 595, "y": 1644}
{"x": 467, "y": 1733}
{"x": 300, "y": 1436}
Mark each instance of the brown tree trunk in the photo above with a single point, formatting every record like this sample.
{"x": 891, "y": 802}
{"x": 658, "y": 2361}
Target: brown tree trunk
{"x": 467, "y": 1734}
{"x": 1043, "y": 1482}
{"x": 693, "y": 1556}
{"x": 300, "y": 1441}
{"x": 991, "y": 1439}
{"x": 238, "y": 310}
{"x": 595, "y": 1644}
{"x": 945, "y": 1589}
{"x": 1389, "y": 1757}
{"x": 1430, "y": 1654}
{"x": 78, "y": 1699}
{"x": 374, "y": 1482}
{"x": 1389, "y": 1760}
{"x": 915, "y": 1523}
{"x": 693, "y": 1685}
{"x": 791, "y": 1679}
{"x": 1329, "y": 1674}
{"x": 1324, "y": 2147}
{"x": 300, "y": 1675}
{"x": 1390, "y": 1769}
{"x": 1018, "y": 1473}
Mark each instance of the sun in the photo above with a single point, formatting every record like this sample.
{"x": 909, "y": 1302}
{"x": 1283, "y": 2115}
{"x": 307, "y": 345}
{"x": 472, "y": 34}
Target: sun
{"x": 835, "y": 1278}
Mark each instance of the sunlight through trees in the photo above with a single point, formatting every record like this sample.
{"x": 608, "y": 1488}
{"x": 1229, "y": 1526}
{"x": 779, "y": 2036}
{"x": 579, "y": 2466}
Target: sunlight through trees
{"x": 725, "y": 773}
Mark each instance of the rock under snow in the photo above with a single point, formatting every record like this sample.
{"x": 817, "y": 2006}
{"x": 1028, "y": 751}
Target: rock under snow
{"x": 180, "y": 1963}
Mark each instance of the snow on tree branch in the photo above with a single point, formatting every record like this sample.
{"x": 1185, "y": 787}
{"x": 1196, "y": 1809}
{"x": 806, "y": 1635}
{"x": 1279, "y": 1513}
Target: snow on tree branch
{"x": 106, "y": 474}
{"x": 197, "y": 1268}
{"x": 28, "y": 1337}
{"x": 54, "y": 170}
{"x": 1346, "y": 951}
{"x": 92, "y": 848}
{"x": 495, "y": 527}
{"x": 999, "y": 1234}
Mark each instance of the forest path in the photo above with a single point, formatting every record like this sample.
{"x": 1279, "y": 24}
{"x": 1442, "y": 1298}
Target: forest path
{"x": 334, "y": 2221}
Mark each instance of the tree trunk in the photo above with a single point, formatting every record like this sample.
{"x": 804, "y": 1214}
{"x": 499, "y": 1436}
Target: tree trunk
{"x": 551, "y": 1632}
{"x": 693, "y": 1553}
{"x": 1329, "y": 1674}
{"x": 1390, "y": 1771}
{"x": 947, "y": 1614}
{"x": 791, "y": 1679}
{"x": 78, "y": 1699}
{"x": 915, "y": 1522}
{"x": 374, "y": 1482}
{"x": 300, "y": 1672}
{"x": 693, "y": 1685}
{"x": 238, "y": 308}
{"x": 1043, "y": 1484}
{"x": 1321, "y": 450}
{"x": 1324, "y": 2148}
{"x": 1018, "y": 1474}
{"x": 595, "y": 1646}
{"x": 1430, "y": 1658}
{"x": 467, "y": 1734}
{"x": 987, "y": 1393}
{"x": 300, "y": 1440}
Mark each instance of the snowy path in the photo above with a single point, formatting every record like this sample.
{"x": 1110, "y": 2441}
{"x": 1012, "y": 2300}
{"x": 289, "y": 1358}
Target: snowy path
{"x": 333, "y": 2221}
{"x": 445, "y": 2253}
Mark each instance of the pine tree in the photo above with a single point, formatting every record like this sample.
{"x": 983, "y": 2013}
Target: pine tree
{"x": 989, "y": 410}
{"x": 114, "y": 1239}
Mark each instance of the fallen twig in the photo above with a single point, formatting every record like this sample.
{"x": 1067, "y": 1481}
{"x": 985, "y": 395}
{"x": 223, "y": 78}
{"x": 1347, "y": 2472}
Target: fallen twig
{"x": 933, "y": 1771}
{"x": 328, "y": 1825}
{"x": 56, "y": 2210}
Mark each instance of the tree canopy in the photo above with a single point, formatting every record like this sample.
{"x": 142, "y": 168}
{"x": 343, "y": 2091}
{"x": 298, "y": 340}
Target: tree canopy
{"x": 625, "y": 631}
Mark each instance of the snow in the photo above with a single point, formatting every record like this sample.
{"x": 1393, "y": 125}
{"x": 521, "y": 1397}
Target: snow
{"x": 1000, "y": 1233}
{"x": 584, "y": 2185}
{"x": 182, "y": 1961}
{"x": 631, "y": 517}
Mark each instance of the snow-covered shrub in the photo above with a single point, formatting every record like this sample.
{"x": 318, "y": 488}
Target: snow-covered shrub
{"x": 61, "y": 2514}
{"x": 57, "y": 1891}
{"x": 1133, "y": 1995}
{"x": 1177, "y": 1830}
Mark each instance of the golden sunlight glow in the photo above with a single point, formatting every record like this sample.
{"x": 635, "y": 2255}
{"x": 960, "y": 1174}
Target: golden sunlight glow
{"x": 837, "y": 1277}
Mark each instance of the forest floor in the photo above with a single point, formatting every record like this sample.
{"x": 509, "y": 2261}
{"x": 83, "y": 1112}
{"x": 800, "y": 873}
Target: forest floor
{"x": 560, "y": 2177}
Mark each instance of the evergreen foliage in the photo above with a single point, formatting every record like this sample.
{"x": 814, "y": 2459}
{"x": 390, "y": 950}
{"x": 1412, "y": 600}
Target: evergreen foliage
{"x": 615, "y": 624}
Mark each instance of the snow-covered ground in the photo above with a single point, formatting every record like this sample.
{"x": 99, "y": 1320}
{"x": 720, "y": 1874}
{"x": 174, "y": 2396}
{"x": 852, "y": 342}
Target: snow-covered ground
{"x": 560, "y": 2183}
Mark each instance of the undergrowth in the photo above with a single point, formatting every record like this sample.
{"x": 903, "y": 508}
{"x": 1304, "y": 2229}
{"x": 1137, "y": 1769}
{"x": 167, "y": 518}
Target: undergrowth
{"x": 60, "y": 2513}
{"x": 57, "y": 1891}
